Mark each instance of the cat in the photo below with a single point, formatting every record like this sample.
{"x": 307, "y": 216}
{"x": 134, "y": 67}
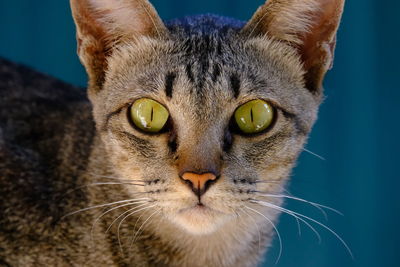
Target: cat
{"x": 180, "y": 154}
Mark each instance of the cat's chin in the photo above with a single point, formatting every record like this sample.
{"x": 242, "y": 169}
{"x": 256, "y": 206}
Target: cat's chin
{"x": 200, "y": 220}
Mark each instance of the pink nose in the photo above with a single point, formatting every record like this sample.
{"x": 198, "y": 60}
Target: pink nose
{"x": 198, "y": 182}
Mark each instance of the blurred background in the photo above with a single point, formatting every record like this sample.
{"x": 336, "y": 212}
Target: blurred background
{"x": 357, "y": 133}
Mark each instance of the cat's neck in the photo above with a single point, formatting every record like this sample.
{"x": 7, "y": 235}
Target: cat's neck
{"x": 234, "y": 244}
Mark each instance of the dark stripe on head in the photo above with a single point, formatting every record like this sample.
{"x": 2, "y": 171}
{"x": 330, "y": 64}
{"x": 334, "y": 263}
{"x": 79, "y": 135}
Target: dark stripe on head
{"x": 189, "y": 72}
{"x": 235, "y": 85}
{"x": 219, "y": 48}
{"x": 172, "y": 142}
{"x": 188, "y": 46}
{"x": 204, "y": 63}
{"x": 216, "y": 73}
{"x": 169, "y": 83}
{"x": 228, "y": 140}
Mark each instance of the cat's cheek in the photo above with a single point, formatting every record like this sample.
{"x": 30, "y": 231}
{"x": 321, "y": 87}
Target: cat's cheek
{"x": 123, "y": 164}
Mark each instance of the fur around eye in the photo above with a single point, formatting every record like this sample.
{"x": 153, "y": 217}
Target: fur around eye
{"x": 148, "y": 115}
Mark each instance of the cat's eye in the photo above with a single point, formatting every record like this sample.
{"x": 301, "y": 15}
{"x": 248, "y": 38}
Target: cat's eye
{"x": 148, "y": 115}
{"x": 254, "y": 116}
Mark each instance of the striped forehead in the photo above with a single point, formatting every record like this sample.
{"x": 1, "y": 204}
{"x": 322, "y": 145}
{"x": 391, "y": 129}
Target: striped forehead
{"x": 204, "y": 61}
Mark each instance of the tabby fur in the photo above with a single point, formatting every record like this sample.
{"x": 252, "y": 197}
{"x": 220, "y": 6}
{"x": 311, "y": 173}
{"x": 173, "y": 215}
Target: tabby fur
{"x": 60, "y": 153}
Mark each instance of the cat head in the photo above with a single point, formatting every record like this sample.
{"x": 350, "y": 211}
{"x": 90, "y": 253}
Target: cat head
{"x": 205, "y": 115}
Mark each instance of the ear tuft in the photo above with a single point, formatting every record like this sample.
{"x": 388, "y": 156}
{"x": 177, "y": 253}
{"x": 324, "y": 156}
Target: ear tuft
{"x": 309, "y": 26}
{"x": 103, "y": 24}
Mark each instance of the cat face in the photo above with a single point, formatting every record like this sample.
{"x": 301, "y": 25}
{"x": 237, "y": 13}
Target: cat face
{"x": 201, "y": 135}
{"x": 201, "y": 78}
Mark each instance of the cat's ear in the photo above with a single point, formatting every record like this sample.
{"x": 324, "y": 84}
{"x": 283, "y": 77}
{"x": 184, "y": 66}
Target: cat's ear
{"x": 103, "y": 24}
{"x": 308, "y": 25}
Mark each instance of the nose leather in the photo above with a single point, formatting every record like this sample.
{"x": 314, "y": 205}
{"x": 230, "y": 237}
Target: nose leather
{"x": 198, "y": 181}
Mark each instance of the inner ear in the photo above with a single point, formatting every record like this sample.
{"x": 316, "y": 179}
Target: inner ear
{"x": 309, "y": 26}
{"x": 104, "y": 24}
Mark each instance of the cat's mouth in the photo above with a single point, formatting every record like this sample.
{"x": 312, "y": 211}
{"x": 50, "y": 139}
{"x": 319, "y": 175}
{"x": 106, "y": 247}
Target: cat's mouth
{"x": 199, "y": 219}
{"x": 199, "y": 207}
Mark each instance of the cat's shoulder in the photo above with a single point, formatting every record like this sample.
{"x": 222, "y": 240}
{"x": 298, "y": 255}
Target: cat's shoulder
{"x": 34, "y": 106}
{"x": 46, "y": 130}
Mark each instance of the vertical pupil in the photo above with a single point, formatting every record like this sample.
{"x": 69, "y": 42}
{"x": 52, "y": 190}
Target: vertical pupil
{"x": 251, "y": 114}
{"x": 152, "y": 112}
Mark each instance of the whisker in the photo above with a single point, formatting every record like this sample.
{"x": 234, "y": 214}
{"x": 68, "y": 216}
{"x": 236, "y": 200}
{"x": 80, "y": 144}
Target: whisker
{"x": 298, "y": 226}
{"x": 114, "y": 178}
{"x": 270, "y": 205}
{"x": 123, "y": 219}
{"x": 102, "y": 183}
{"x": 314, "y": 154}
{"x": 137, "y": 221}
{"x": 124, "y": 180}
{"x": 268, "y": 181}
{"x": 114, "y": 208}
{"x": 122, "y": 214}
{"x": 104, "y": 205}
{"x": 314, "y": 221}
{"x": 140, "y": 228}
{"x": 316, "y": 205}
{"x": 114, "y": 183}
{"x": 277, "y": 182}
{"x": 258, "y": 228}
{"x": 276, "y": 230}
{"x": 237, "y": 213}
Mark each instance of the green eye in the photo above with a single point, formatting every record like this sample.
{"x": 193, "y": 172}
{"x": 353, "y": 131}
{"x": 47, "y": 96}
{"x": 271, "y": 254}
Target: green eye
{"x": 149, "y": 115}
{"x": 254, "y": 116}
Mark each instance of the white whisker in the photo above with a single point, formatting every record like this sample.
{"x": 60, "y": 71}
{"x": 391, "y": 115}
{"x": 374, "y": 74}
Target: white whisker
{"x": 314, "y": 154}
{"x": 105, "y": 205}
{"x": 143, "y": 224}
{"x": 123, "y": 219}
{"x": 312, "y": 220}
{"x": 276, "y": 230}
{"x": 114, "y": 178}
{"x": 278, "y": 183}
{"x": 316, "y": 205}
{"x": 122, "y": 214}
{"x": 114, "y": 208}
{"x": 114, "y": 183}
{"x": 270, "y": 205}
{"x": 101, "y": 183}
{"x": 258, "y": 228}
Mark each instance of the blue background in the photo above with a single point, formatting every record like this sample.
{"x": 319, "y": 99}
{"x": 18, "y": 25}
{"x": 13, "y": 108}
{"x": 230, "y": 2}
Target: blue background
{"x": 357, "y": 132}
